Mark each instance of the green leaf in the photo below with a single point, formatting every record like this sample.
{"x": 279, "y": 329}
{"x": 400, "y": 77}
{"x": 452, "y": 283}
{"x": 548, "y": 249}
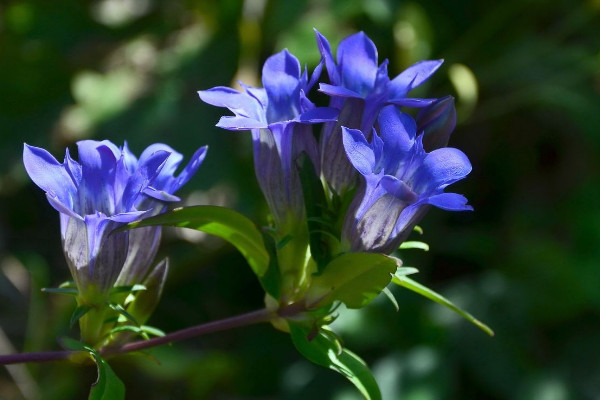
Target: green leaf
{"x": 79, "y": 312}
{"x": 143, "y": 330}
{"x": 402, "y": 271}
{"x": 352, "y": 278}
{"x": 61, "y": 290}
{"x": 108, "y": 386}
{"x": 324, "y": 349}
{"x": 314, "y": 201}
{"x": 416, "y": 287}
{"x": 219, "y": 221}
{"x": 414, "y": 245}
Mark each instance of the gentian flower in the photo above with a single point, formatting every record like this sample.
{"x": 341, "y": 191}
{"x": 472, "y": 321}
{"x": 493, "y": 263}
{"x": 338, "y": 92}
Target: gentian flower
{"x": 279, "y": 116}
{"x": 401, "y": 180}
{"x": 106, "y": 189}
{"x": 360, "y": 88}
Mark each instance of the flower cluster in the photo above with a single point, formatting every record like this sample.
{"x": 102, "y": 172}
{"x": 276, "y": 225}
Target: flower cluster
{"x": 380, "y": 168}
{"x": 106, "y": 189}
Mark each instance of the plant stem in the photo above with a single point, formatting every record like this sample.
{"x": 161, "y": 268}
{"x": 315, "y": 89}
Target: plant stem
{"x": 251, "y": 318}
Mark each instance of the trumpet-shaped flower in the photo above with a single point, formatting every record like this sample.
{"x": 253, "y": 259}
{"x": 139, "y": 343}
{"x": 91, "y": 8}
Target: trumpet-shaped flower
{"x": 360, "y": 88}
{"x": 401, "y": 181}
{"x": 279, "y": 116}
{"x": 107, "y": 188}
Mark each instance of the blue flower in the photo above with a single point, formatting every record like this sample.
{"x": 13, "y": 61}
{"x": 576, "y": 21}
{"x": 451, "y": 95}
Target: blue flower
{"x": 279, "y": 116}
{"x": 360, "y": 88}
{"x": 401, "y": 181}
{"x": 107, "y": 188}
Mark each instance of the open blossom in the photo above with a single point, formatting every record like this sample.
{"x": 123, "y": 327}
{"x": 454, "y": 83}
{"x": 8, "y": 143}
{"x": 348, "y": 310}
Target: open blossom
{"x": 401, "y": 180}
{"x": 279, "y": 116}
{"x": 107, "y": 188}
{"x": 360, "y": 88}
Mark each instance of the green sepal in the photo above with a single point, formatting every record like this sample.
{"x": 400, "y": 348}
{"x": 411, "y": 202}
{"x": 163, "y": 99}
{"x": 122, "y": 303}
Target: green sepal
{"x": 416, "y": 287}
{"x": 61, "y": 290}
{"x": 352, "y": 278}
{"x": 141, "y": 304}
{"x": 127, "y": 289}
{"x": 414, "y": 245}
{"x": 79, "y": 312}
{"x": 324, "y": 348}
{"x": 119, "y": 308}
{"x": 219, "y": 221}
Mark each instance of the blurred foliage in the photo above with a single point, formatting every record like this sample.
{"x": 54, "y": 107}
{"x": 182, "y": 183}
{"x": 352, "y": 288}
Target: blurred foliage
{"x": 526, "y": 74}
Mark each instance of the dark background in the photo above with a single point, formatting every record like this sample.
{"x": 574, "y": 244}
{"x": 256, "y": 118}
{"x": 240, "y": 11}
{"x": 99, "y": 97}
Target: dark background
{"x": 526, "y": 75}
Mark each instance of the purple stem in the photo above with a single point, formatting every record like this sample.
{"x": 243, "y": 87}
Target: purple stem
{"x": 251, "y": 318}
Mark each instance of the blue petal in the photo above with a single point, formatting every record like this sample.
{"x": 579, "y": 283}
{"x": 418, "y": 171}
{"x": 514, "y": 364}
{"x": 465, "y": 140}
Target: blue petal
{"x": 412, "y": 77}
{"x": 397, "y": 129}
{"x": 357, "y": 61}
{"x": 189, "y": 170}
{"x": 407, "y": 102}
{"x": 358, "y": 151}
{"x": 240, "y": 123}
{"x": 325, "y": 50}
{"x": 450, "y": 202}
{"x": 319, "y": 114}
{"x": 159, "y": 194}
{"x": 241, "y": 104}
{"x": 98, "y": 167}
{"x": 398, "y": 189}
{"x": 439, "y": 169}
{"x": 337, "y": 91}
{"x": 51, "y": 176}
{"x": 281, "y": 80}
{"x": 148, "y": 170}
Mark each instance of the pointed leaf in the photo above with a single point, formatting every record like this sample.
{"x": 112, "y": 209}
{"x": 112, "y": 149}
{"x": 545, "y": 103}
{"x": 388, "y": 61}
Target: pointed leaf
{"x": 438, "y": 298}
{"x": 352, "y": 278}
{"x": 219, "y": 221}
{"x": 79, "y": 312}
{"x": 414, "y": 245}
{"x": 60, "y": 290}
{"x": 127, "y": 289}
{"x": 388, "y": 293}
{"x": 323, "y": 350}
{"x": 119, "y": 308}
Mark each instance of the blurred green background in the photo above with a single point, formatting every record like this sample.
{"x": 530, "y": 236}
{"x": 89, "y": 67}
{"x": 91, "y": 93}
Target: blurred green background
{"x": 526, "y": 75}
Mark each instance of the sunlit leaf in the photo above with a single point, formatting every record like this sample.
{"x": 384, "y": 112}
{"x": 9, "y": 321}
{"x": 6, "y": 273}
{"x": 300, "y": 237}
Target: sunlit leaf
{"x": 352, "y": 278}
{"x": 414, "y": 245}
{"x": 219, "y": 221}
{"x": 324, "y": 350}
{"x": 416, "y": 287}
